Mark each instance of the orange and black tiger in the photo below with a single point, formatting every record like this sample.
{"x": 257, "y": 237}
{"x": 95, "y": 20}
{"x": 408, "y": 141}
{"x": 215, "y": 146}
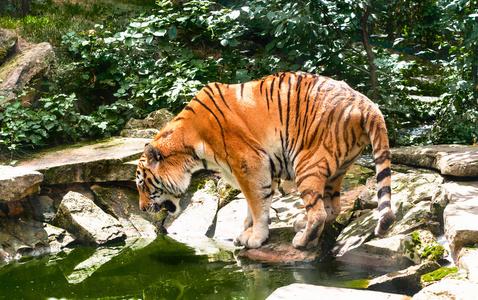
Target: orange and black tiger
{"x": 291, "y": 126}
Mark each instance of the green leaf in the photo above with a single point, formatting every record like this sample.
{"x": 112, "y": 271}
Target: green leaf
{"x": 172, "y": 32}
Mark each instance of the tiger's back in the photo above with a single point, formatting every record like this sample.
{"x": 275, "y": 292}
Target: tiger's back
{"x": 291, "y": 126}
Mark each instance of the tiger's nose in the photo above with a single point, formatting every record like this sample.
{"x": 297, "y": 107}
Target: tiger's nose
{"x": 143, "y": 208}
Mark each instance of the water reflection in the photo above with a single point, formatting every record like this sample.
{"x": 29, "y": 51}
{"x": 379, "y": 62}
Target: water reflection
{"x": 158, "y": 269}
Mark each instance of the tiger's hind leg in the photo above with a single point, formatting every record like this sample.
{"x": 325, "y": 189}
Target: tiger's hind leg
{"x": 332, "y": 198}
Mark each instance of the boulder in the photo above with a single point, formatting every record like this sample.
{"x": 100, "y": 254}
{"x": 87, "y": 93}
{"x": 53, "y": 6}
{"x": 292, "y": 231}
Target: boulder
{"x": 8, "y": 41}
{"x": 449, "y": 289}
{"x": 148, "y": 127}
{"x": 84, "y": 219}
{"x": 468, "y": 261}
{"x": 28, "y": 67}
{"x": 16, "y": 183}
{"x": 460, "y": 215}
{"x": 404, "y": 281}
{"x": 105, "y": 160}
{"x": 307, "y": 291}
{"x": 123, "y": 203}
{"x": 454, "y": 160}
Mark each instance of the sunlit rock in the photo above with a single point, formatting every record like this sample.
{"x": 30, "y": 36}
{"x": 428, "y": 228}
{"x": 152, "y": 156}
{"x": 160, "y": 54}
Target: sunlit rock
{"x": 452, "y": 160}
{"x": 468, "y": 261}
{"x": 461, "y": 214}
{"x": 307, "y": 291}
{"x": 449, "y": 289}
{"x": 84, "y": 219}
{"x": 198, "y": 217}
{"x": 17, "y": 182}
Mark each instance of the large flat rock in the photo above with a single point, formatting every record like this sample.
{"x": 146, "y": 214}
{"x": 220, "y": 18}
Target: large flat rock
{"x": 308, "y": 291}
{"x": 16, "y": 183}
{"x": 106, "y": 160}
{"x": 461, "y": 214}
{"x": 454, "y": 160}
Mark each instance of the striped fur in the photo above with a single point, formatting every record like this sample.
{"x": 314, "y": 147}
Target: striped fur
{"x": 290, "y": 126}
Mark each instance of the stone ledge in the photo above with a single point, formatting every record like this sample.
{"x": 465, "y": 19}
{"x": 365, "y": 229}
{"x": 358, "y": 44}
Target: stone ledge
{"x": 99, "y": 162}
{"x": 454, "y": 160}
{"x": 461, "y": 213}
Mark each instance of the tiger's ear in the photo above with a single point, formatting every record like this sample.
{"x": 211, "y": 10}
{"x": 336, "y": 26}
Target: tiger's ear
{"x": 153, "y": 156}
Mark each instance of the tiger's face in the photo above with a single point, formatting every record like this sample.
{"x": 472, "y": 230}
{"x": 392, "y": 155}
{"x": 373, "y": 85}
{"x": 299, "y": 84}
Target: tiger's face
{"x": 154, "y": 196}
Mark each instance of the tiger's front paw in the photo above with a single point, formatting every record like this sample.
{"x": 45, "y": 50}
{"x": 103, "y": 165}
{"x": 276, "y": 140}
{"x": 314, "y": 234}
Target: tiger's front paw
{"x": 250, "y": 239}
{"x": 301, "y": 242}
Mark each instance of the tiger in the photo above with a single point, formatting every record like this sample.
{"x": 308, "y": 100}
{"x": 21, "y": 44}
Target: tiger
{"x": 288, "y": 126}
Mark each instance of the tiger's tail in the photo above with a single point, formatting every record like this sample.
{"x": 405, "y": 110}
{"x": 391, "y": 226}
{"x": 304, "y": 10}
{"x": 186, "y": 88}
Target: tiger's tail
{"x": 377, "y": 131}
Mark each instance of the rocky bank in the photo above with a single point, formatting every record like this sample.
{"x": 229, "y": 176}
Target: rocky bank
{"x": 85, "y": 195}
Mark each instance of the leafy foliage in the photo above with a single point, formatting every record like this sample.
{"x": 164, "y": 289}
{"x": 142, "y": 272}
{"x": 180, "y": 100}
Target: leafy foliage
{"x": 117, "y": 70}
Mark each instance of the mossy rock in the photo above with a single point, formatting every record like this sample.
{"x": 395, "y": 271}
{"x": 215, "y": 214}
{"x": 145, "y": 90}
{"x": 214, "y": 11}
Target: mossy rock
{"x": 437, "y": 275}
{"x": 421, "y": 246}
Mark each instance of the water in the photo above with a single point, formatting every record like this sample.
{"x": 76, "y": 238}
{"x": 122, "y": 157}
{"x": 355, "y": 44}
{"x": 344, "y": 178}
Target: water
{"x": 160, "y": 269}
{"x": 164, "y": 268}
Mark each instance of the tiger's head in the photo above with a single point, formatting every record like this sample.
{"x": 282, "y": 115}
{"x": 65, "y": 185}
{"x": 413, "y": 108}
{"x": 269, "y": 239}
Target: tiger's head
{"x": 160, "y": 181}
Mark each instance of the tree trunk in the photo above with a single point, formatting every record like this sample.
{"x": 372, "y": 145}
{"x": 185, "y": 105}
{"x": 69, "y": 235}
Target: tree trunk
{"x": 365, "y": 34}
{"x": 25, "y": 7}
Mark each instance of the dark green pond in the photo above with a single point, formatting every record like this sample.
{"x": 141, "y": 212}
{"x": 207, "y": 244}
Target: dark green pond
{"x": 159, "y": 269}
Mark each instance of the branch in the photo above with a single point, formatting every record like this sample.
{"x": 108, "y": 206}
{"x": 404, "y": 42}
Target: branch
{"x": 357, "y": 67}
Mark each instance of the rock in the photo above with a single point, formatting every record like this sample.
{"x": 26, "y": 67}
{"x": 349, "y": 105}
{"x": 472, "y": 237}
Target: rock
{"x": 149, "y": 127}
{"x": 417, "y": 217}
{"x": 40, "y": 208}
{"x": 460, "y": 215}
{"x": 20, "y": 238}
{"x": 278, "y": 248}
{"x": 123, "y": 204}
{"x": 411, "y": 195}
{"x": 452, "y": 160}
{"x": 30, "y": 66}
{"x": 285, "y": 210}
{"x": 198, "y": 217}
{"x": 407, "y": 280}
{"x": 449, "y": 289}
{"x": 16, "y": 183}
{"x": 442, "y": 273}
{"x": 106, "y": 160}
{"x": 230, "y": 220}
{"x": 8, "y": 41}
{"x": 468, "y": 261}
{"x": 421, "y": 246}
{"x": 58, "y": 238}
{"x": 81, "y": 217}
{"x": 307, "y": 291}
